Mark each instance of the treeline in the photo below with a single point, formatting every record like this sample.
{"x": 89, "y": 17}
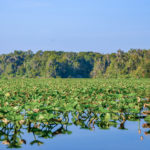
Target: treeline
{"x": 58, "y": 64}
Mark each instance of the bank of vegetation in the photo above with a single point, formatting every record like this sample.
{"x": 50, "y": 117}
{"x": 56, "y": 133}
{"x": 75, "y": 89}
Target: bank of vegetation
{"x": 58, "y": 64}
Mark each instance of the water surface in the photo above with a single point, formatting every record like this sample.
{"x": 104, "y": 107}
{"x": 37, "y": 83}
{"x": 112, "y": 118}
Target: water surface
{"x": 74, "y": 137}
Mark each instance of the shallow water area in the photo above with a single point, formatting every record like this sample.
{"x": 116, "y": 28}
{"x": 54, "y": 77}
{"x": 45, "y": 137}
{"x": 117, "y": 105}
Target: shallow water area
{"x": 41, "y": 114}
{"x": 95, "y": 138}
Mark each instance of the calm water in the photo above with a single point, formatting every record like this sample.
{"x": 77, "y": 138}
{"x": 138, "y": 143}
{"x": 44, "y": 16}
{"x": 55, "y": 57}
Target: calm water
{"x": 96, "y": 138}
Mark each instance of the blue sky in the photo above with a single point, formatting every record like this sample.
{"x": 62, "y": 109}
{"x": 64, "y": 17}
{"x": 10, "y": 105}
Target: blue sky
{"x": 74, "y": 25}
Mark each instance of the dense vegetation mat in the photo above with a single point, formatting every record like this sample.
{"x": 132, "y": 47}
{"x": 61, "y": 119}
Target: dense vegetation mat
{"x": 39, "y": 105}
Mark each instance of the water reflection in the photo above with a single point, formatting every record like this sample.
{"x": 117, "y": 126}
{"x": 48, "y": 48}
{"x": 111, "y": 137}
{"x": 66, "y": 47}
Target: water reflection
{"x": 12, "y": 133}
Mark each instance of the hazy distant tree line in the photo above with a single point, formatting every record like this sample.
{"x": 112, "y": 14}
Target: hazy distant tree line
{"x": 58, "y": 64}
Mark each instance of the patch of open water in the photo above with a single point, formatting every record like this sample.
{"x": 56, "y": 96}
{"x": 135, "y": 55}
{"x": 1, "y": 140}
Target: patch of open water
{"x": 96, "y": 138}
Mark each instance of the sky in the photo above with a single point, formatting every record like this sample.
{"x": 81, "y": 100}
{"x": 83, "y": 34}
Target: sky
{"x": 74, "y": 25}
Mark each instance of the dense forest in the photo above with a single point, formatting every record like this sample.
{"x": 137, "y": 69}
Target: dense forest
{"x": 58, "y": 64}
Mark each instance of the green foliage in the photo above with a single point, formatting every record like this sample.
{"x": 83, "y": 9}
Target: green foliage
{"x": 46, "y": 107}
{"x": 53, "y": 64}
